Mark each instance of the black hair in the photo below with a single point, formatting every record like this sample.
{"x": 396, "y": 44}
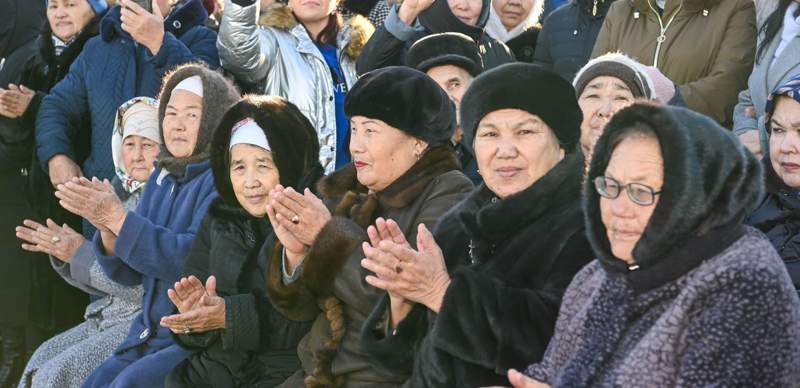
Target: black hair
{"x": 771, "y": 27}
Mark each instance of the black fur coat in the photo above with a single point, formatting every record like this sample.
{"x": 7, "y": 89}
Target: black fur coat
{"x": 510, "y": 261}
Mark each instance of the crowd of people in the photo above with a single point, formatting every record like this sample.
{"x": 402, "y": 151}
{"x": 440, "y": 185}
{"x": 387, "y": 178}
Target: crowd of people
{"x": 415, "y": 193}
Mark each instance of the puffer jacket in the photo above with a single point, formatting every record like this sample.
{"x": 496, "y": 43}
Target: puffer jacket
{"x": 707, "y": 48}
{"x": 278, "y": 54}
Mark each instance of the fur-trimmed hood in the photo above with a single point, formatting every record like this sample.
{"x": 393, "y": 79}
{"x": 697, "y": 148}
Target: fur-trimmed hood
{"x": 711, "y": 182}
{"x": 219, "y": 94}
{"x": 356, "y": 30}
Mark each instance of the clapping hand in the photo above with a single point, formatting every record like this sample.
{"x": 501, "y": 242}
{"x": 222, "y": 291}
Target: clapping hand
{"x": 15, "y": 100}
{"x": 200, "y": 309}
{"x": 61, "y": 242}
{"x": 93, "y": 200}
{"x": 144, "y": 27}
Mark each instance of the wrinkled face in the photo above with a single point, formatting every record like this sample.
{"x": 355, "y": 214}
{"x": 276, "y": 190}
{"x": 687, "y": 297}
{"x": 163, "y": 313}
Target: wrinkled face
{"x": 253, "y": 175}
{"x": 138, "y": 155}
{"x": 310, "y": 11}
{"x": 784, "y": 141}
{"x": 514, "y": 149}
{"x": 381, "y": 153}
{"x": 181, "y": 123}
{"x": 636, "y": 159}
{"x": 468, "y": 11}
{"x": 455, "y": 81}
{"x": 68, "y": 17}
{"x": 600, "y": 100}
{"x": 512, "y": 12}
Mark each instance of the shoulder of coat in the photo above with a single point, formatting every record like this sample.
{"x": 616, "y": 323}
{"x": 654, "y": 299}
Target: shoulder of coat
{"x": 278, "y": 16}
{"x": 360, "y": 29}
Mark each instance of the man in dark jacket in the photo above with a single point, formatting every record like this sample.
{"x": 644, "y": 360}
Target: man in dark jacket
{"x": 568, "y": 35}
{"x": 414, "y": 19}
{"x": 133, "y": 52}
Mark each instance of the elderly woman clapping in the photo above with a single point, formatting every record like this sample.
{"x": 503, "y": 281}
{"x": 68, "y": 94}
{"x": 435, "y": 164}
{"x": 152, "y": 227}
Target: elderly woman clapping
{"x": 261, "y": 142}
{"x": 403, "y": 168}
{"x": 500, "y": 261}
{"x": 68, "y": 358}
{"x": 681, "y": 294}
{"x": 147, "y": 246}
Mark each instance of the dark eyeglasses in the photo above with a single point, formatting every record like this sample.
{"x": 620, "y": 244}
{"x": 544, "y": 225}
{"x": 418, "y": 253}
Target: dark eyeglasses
{"x": 640, "y": 194}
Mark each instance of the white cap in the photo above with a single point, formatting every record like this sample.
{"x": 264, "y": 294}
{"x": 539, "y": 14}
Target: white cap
{"x": 192, "y": 84}
{"x": 248, "y": 132}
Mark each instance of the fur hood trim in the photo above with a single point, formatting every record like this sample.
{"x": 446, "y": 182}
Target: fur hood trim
{"x": 360, "y": 29}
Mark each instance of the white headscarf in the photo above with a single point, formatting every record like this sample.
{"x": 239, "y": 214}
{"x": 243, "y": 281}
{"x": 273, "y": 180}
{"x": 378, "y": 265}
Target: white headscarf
{"x": 496, "y": 29}
{"x": 137, "y": 116}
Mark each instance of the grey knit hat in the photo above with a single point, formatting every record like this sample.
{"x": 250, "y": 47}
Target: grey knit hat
{"x": 619, "y": 66}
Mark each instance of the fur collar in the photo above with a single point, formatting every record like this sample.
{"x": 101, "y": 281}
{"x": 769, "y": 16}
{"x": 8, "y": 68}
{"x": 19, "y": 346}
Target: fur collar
{"x": 343, "y": 184}
{"x": 279, "y": 16}
{"x": 489, "y": 221}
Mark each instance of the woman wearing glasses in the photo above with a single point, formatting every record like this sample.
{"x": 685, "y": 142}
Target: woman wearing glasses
{"x": 497, "y": 265}
{"x": 681, "y": 293}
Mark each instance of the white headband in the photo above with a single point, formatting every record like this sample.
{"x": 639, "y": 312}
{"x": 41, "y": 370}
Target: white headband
{"x": 192, "y": 84}
{"x": 248, "y": 132}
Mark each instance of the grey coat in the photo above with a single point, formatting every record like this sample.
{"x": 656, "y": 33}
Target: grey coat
{"x": 277, "y": 54}
{"x": 67, "y": 359}
{"x": 768, "y": 74}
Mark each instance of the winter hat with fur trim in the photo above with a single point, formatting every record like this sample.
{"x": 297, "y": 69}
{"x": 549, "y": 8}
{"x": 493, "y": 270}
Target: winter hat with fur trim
{"x": 406, "y": 99}
{"x": 526, "y": 87}
{"x": 619, "y": 66}
{"x": 448, "y": 48}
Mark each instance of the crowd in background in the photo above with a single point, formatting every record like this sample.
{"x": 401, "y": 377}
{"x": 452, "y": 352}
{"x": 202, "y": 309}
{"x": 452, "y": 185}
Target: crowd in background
{"x": 386, "y": 193}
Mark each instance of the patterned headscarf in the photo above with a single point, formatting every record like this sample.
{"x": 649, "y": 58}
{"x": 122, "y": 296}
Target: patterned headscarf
{"x": 789, "y": 89}
{"x": 137, "y": 116}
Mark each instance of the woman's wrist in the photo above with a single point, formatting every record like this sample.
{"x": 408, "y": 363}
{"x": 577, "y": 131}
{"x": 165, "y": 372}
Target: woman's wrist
{"x": 115, "y": 225}
{"x": 434, "y": 302}
{"x": 399, "y": 308}
{"x": 293, "y": 259}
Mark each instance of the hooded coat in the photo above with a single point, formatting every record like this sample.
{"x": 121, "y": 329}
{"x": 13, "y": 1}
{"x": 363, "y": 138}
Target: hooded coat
{"x": 568, "y": 35}
{"x": 275, "y": 52}
{"x": 708, "y": 47}
{"x": 708, "y": 301}
{"x": 111, "y": 70}
{"x": 258, "y": 346}
{"x": 501, "y": 307}
{"x": 331, "y": 288}
{"x": 391, "y": 42}
{"x": 154, "y": 239}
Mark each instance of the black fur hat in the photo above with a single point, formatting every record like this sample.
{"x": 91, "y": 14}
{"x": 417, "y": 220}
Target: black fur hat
{"x": 291, "y": 137}
{"x": 526, "y": 87}
{"x": 449, "y": 48}
{"x": 406, "y": 99}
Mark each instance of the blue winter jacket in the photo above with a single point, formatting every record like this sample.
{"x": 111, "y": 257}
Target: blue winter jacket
{"x": 152, "y": 245}
{"x": 113, "y": 69}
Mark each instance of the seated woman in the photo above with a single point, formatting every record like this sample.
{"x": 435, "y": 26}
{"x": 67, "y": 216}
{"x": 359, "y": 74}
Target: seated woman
{"x": 492, "y": 278}
{"x": 148, "y": 245}
{"x": 261, "y": 142}
{"x": 681, "y": 294}
{"x": 68, "y": 358}
{"x": 605, "y": 85}
{"x": 777, "y": 215}
{"x": 403, "y": 168}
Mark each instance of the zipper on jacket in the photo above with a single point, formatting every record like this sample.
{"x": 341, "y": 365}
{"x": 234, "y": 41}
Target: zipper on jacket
{"x": 663, "y": 28}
